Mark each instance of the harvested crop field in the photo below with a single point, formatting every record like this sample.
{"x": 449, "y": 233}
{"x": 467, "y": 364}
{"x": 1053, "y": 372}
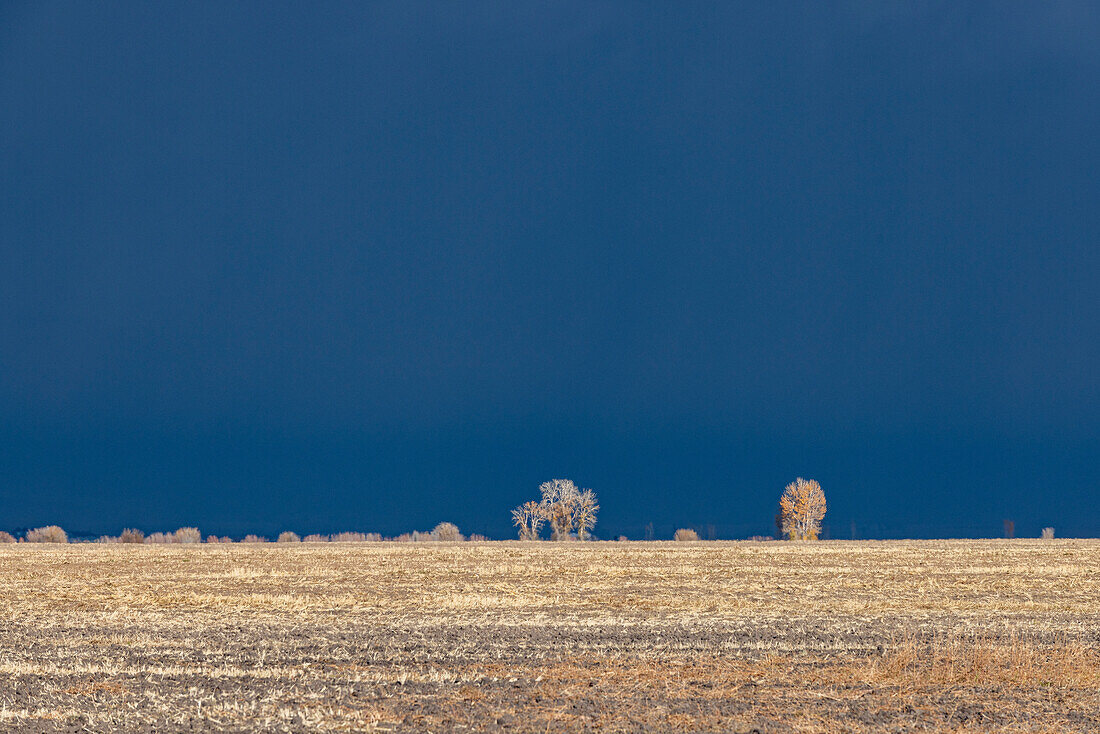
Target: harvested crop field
{"x": 776, "y": 637}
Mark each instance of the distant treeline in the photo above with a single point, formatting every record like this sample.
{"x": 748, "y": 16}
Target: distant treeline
{"x": 443, "y": 532}
{"x": 568, "y": 511}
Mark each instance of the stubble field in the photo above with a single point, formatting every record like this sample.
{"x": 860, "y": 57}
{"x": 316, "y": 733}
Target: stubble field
{"x": 777, "y": 637}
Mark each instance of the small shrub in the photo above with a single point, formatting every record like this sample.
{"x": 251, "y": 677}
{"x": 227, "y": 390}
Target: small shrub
{"x": 1048, "y": 534}
{"x": 685, "y": 535}
{"x": 315, "y": 538}
{"x": 107, "y": 539}
{"x": 48, "y": 534}
{"x": 157, "y": 539}
{"x": 254, "y": 539}
{"x": 374, "y": 537}
{"x": 761, "y": 538}
{"x": 475, "y": 538}
{"x": 225, "y": 539}
{"x": 187, "y": 535}
{"x": 447, "y": 532}
{"x": 349, "y": 537}
{"x": 213, "y": 539}
{"x": 622, "y": 538}
{"x": 6, "y": 537}
{"x": 130, "y": 535}
{"x": 288, "y": 537}
{"x": 414, "y": 537}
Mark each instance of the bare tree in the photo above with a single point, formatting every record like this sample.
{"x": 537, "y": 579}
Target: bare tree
{"x": 802, "y": 507}
{"x": 528, "y": 518}
{"x": 564, "y": 506}
{"x": 568, "y": 509}
{"x": 560, "y": 497}
{"x": 586, "y": 513}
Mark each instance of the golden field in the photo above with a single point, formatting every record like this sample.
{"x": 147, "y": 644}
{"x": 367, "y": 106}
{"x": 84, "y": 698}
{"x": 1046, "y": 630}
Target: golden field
{"x": 506, "y": 636}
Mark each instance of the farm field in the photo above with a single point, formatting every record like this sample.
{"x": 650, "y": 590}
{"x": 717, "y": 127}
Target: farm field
{"x": 831, "y": 636}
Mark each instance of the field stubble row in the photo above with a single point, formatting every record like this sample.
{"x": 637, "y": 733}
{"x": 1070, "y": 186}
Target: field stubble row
{"x": 570, "y": 636}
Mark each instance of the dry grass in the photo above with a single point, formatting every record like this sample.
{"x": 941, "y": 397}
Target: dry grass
{"x": 838, "y": 636}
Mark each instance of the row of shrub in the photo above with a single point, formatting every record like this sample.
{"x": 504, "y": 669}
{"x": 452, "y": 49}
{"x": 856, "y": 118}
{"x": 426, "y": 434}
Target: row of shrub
{"x": 687, "y": 535}
{"x": 48, "y": 534}
{"x": 443, "y": 532}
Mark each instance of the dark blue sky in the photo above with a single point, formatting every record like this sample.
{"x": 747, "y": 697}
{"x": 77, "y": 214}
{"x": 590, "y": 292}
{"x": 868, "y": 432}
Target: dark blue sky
{"x": 373, "y": 266}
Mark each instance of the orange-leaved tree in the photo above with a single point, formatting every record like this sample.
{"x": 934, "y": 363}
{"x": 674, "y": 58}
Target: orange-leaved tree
{"x": 802, "y": 506}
